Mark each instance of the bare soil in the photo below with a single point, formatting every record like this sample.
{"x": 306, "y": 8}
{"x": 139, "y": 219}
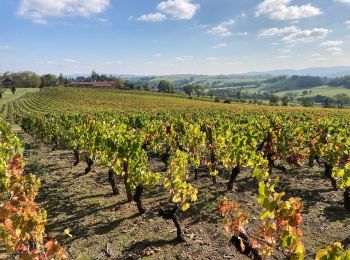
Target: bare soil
{"x": 107, "y": 227}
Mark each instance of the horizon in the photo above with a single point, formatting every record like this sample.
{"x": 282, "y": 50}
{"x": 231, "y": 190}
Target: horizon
{"x": 173, "y": 37}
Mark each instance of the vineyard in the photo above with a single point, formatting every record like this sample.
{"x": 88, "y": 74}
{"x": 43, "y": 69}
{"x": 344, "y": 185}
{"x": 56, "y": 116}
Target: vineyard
{"x": 128, "y": 175}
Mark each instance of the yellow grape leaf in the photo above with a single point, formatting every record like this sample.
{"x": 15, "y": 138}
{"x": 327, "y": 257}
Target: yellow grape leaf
{"x": 67, "y": 232}
{"x": 185, "y": 206}
{"x": 177, "y": 198}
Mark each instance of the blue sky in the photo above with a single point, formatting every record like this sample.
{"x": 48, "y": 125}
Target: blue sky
{"x": 172, "y": 36}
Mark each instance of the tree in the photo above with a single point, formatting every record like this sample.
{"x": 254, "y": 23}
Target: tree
{"x": 291, "y": 96}
{"x": 198, "y": 90}
{"x": 211, "y": 92}
{"x": 341, "y": 100}
{"x": 94, "y": 76}
{"x": 165, "y": 86}
{"x": 61, "y": 80}
{"x": 188, "y": 89}
{"x": 118, "y": 83}
{"x": 146, "y": 87}
{"x": 305, "y": 92}
{"x": 202, "y": 90}
{"x": 13, "y": 89}
{"x": 274, "y": 100}
{"x": 307, "y": 101}
{"x": 223, "y": 95}
{"x": 129, "y": 85}
{"x": 239, "y": 94}
{"x": 48, "y": 80}
{"x": 25, "y": 79}
{"x": 2, "y": 85}
{"x": 285, "y": 100}
{"x": 328, "y": 102}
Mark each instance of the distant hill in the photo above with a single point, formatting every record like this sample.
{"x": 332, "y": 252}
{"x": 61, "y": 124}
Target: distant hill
{"x": 330, "y": 72}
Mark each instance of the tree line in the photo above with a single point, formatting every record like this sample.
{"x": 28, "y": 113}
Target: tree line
{"x": 337, "y": 101}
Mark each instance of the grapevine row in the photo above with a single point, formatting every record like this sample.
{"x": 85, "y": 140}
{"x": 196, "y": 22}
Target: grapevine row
{"x": 22, "y": 222}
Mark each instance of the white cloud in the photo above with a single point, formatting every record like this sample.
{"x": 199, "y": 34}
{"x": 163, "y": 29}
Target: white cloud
{"x": 332, "y": 43}
{"x": 152, "y": 17}
{"x": 211, "y": 59}
{"x": 283, "y": 57}
{"x": 220, "y": 45}
{"x": 179, "y": 9}
{"x": 184, "y": 58}
{"x": 157, "y": 55}
{"x": 110, "y": 62}
{"x": 335, "y": 51}
{"x": 222, "y": 30}
{"x": 343, "y": 1}
{"x": 306, "y": 35}
{"x": 282, "y": 50}
{"x": 282, "y": 10}
{"x": 103, "y": 20}
{"x": 278, "y": 31}
{"x": 50, "y": 62}
{"x": 317, "y": 57}
{"x": 70, "y": 61}
{"x": 242, "y": 34}
{"x": 39, "y": 10}
{"x": 347, "y": 24}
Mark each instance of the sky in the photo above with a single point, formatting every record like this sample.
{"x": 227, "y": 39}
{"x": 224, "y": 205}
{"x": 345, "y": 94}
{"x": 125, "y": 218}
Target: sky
{"x": 160, "y": 37}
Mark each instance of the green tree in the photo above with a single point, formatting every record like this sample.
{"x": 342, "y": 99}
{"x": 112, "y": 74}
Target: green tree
{"x": 26, "y": 79}
{"x": 6, "y": 82}
{"x": 146, "y": 87}
{"x": 341, "y": 100}
{"x": 307, "y": 101}
{"x": 94, "y": 76}
{"x": 118, "y": 83}
{"x": 188, "y": 89}
{"x": 198, "y": 90}
{"x": 328, "y": 102}
{"x": 285, "y": 100}
{"x": 2, "y": 87}
{"x": 274, "y": 100}
{"x": 211, "y": 92}
{"x": 202, "y": 90}
{"x": 291, "y": 96}
{"x": 129, "y": 85}
{"x": 48, "y": 80}
{"x": 165, "y": 86}
{"x": 61, "y": 80}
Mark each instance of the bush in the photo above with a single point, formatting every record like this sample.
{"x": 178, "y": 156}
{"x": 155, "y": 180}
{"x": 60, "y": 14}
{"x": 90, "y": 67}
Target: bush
{"x": 217, "y": 99}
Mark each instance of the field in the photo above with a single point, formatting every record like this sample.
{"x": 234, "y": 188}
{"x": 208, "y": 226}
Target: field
{"x": 8, "y": 96}
{"x": 218, "y": 82}
{"x": 178, "y": 158}
{"x": 322, "y": 90}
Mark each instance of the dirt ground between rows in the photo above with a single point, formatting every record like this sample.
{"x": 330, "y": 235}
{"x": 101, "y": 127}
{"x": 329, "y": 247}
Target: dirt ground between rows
{"x": 106, "y": 227}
